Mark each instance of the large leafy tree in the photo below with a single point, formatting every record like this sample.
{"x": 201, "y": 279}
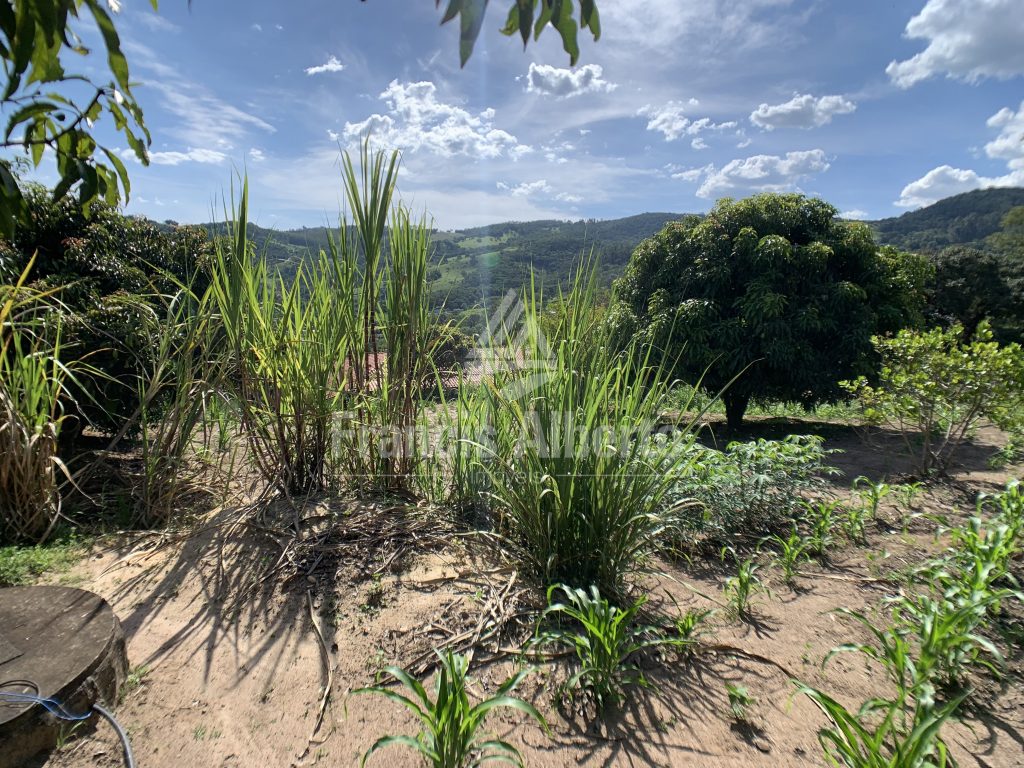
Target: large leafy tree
{"x": 772, "y": 296}
{"x": 971, "y": 286}
{"x": 53, "y": 111}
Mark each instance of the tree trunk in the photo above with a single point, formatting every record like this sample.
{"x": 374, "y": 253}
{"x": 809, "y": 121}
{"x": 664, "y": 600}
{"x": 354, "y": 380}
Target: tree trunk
{"x": 735, "y": 407}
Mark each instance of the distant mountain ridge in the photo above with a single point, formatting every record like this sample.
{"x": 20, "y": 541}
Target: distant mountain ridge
{"x": 474, "y": 266}
{"x": 964, "y": 219}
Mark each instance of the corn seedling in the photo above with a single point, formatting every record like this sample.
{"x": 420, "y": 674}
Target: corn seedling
{"x": 820, "y": 518}
{"x": 743, "y": 587}
{"x": 791, "y": 552}
{"x": 854, "y": 524}
{"x": 871, "y": 494}
{"x": 740, "y": 701}
{"x": 871, "y": 738}
{"x": 908, "y": 493}
{"x": 451, "y": 737}
{"x": 606, "y": 642}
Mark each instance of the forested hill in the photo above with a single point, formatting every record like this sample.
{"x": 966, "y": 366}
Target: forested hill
{"x": 965, "y": 219}
{"x": 473, "y": 265}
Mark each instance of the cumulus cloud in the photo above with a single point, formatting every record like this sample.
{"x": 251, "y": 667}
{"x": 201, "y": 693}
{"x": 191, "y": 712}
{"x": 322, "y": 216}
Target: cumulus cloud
{"x": 539, "y": 188}
{"x": 566, "y": 83}
{"x": 671, "y": 121}
{"x": 191, "y": 155}
{"x": 802, "y": 111}
{"x": 855, "y": 214}
{"x": 967, "y": 39}
{"x": 332, "y": 65}
{"x": 527, "y": 188}
{"x": 946, "y": 180}
{"x": 417, "y": 120}
{"x": 256, "y": 155}
{"x": 759, "y": 173}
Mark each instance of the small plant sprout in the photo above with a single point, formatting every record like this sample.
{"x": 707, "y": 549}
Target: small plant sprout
{"x": 871, "y": 494}
{"x": 792, "y": 551}
{"x": 740, "y": 701}
{"x": 450, "y": 735}
{"x": 854, "y": 524}
{"x": 743, "y": 587}
{"x": 820, "y": 517}
{"x": 606, "y": 643}
{"x": 908, "y": 493}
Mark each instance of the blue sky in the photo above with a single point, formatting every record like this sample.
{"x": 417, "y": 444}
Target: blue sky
{"x": 877, "y": 106}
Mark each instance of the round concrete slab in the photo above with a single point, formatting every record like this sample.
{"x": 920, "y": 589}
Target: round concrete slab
{"x": 57, "y": 643}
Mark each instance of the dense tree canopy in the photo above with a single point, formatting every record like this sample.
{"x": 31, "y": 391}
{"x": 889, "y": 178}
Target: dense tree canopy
{"x": 773, "y": 291}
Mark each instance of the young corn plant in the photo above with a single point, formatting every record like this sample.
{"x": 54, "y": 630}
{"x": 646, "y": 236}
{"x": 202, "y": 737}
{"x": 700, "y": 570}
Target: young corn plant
{"x": 908, "y": 493}
{"x": 742, "y": 588}
{"x": 898, "y": 732}
{"x": 740, "y": 701}
{"x": 820, "y": 517}
{"x": 607, "y": 641}
{"x": 451, "y": 736}
{"x": 791, "y": 552}
{"x": 854, "y": 524}
{"x": 870, "y": 737}
{"x": 871, "y": 494}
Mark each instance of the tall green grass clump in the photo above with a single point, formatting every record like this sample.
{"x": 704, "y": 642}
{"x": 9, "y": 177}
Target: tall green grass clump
{"x": 327, "y": 367}
{"x": 32, "y": 386}
{"x": 576, "y": 486}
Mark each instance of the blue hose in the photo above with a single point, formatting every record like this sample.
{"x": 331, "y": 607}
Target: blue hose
{"x": 57, "y": 710}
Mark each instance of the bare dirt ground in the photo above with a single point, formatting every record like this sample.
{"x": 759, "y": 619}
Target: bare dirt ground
{"x": 229, "y": 667}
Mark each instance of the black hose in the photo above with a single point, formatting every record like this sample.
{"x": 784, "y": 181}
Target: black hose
{"x": 129, "y": 759}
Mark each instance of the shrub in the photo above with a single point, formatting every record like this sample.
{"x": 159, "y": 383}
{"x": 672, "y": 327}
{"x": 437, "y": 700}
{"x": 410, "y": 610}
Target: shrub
{"x": 935, "y": 389}
{"x": 110, "y": 272}
{"x": 451, "y": 725}
{"x": 752, "y": 488}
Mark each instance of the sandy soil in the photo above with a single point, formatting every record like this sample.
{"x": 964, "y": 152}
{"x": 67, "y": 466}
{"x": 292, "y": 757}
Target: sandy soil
{"x": 229, "y": 668}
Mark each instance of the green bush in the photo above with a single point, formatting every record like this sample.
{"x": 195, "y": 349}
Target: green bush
{"x": 109, "y": 271}
{"x": 935, "y": 389}
{"x": 751, "y": 488}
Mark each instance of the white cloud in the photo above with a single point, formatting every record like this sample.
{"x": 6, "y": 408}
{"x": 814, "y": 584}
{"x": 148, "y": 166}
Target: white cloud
{"x": 155, "y": 22}
{"x": 699, "y": 143}
{"x": 257, "y": 28}
{"x": 802, "y": 111}
{"x": 967, "y": 39}
{"x": 204, "y": 120}
{"x": 566, "y": 83}
{"x": 416, "y": 120}
{"x": 1009, "y": 144}
{"x": 256, "y": 155}
{"x": 332, "y": 65}
{"x": 945, "y": 180}
{"x": 527, "y": 188}
{"x": 693, "y": 175}
{"x": 671, "y": 121}
{"x": 566, "y": 197}
{"x": 333, "y": 135}
{"x": 855, "y": 214}
{"x": 191, "y": 155}
{"x": 759, "y": 173}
